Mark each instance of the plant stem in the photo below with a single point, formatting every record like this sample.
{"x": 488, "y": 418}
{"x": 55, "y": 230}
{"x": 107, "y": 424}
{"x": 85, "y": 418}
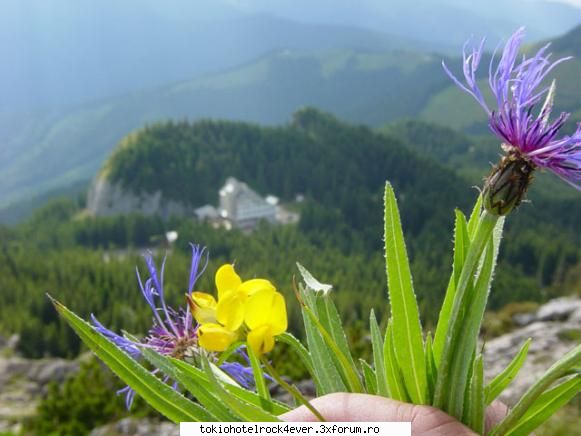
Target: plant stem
{"x": 291, "y": 389}
{"x": 449, "y": 393}
{"x": 560, "y": 369}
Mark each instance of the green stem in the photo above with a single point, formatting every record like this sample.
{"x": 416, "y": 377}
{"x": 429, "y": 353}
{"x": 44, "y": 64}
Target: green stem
{"x": 560, "y": 369}
{"x": 291, "y": 389}
{"x": 450, "y": 390}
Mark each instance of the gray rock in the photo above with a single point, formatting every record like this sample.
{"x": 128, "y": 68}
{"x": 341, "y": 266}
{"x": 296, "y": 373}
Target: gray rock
{"x": 137, "y": 427}
{"x": 559, "y": 309}
{"x": 551, "y": 338}
{"x": 105, "y": 199}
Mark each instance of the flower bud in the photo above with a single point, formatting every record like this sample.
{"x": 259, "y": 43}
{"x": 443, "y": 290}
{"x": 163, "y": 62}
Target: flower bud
{"x": 507, "y": 185}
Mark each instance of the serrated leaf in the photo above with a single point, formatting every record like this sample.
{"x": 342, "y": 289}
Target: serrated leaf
{"x": 407, "y": 329}
{"x": 159, "y": 395}
{"x": 502, "y": 380}
{"x": 378, "y": 358}
{"x": 369, "y": 376}
{"x": 567, "y": 363}
{"x": 272, "y": 406}
{"x": 474, "y": 219}
{"x": 330, "y": 320}
{"x": 394, "y": 377}
{"x": 467, "y": 338}
{"x": 327, "y": 378}
{"x": 461, "y": 246}
{"x": 248, "y": 412}
{"x": 474, "y": 415}
{"x": 201, "y": 391}
{"x": 345, "y": 368}
{"x": 545, "y": 406}
{"x": 431, "y": 368}
{"x": 450, "y": 391}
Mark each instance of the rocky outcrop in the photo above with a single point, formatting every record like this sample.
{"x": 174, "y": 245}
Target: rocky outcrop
{"x": 22, "y": 384}
{"x": 137, "y": 427}
{"x": 555, "y": 328}
{"x": 107, "y": 199}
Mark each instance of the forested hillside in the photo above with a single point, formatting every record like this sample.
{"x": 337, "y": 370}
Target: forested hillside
{"x": 42, "y": 151}
{"x": 340, "y": 168}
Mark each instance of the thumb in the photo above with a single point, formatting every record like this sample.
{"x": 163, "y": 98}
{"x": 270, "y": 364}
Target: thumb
{"x": 425, "y": 420}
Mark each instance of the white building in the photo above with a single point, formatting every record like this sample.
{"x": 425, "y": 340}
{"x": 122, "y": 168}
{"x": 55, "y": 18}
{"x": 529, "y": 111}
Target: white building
{"x": 243, "y": 207}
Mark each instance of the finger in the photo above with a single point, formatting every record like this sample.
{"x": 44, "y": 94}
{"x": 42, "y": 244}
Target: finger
{"x": 494, "y": 414}
{"x": 360, "y": 407}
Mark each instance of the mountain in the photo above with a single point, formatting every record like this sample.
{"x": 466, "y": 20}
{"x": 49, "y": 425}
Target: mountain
{"x": 442, "y": 21}
{"x": 48, "y": 150}
{"x": 71, "y": 52}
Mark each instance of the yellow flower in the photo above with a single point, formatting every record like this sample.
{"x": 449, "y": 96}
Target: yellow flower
{"x": 254, "y": 302}
{"x": 266, "y": 318}
{"x": 214, "y": 337}
{"x": 203, "y": 307}
{"x": 233, "y": 294}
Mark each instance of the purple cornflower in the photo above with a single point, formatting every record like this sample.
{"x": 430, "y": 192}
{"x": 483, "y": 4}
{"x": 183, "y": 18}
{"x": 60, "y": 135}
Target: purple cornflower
{"x": 173, "y": 333}
{"x": 518, "y": 88}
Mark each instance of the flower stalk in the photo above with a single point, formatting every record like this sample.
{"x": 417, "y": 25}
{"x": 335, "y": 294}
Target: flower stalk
{"x": 449, "y": 393}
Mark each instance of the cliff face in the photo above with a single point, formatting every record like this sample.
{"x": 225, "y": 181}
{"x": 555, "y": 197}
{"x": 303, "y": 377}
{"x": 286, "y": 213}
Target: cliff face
{"x": 106, "y": 199}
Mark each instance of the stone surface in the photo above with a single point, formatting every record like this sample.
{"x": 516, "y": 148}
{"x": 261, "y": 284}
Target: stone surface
{"x": 105, "y": 199}
{"x": 553, "y": 328}
{"x": 137, "y": 427}
{"x": 22, "y": 383}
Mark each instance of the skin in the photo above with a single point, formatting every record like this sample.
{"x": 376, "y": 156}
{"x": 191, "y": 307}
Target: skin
{"x": 425, "y": 420}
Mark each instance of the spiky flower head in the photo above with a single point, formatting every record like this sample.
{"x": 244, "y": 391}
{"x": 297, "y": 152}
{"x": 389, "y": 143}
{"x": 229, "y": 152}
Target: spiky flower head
{"x": 529, "y": 136}
{"x": 173, "y": 332}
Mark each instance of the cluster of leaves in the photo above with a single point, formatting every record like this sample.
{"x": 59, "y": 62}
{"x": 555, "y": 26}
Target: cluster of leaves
{"x": 446, "y": 371}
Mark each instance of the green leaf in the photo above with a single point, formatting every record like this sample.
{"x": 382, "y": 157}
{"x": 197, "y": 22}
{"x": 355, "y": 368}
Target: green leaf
{"x": 546, "y": 405}
{"x": 201, "y": 391}
{"x": 248, "y": 412}
{"x": 327, "y": 378}
{"x": 474, "y": 415}
{"x": 570, "y": 361}
{"x": 450, "y": 391}
{"x": 475, "y": 217}
{"x": 467, "y": 338}
{"x": 395, "y": 381}
{"x": 330, "y": 320}
{"x": 407, "y": 329}
{"x": 502, "y": 380}
{"x": 369, "y": 376}
{"x": 461, "y": 246}
{"x": 378, "y": 358}
{"x": 159, "y": 395}
{"x": 301, "y": 351}
{"x": 259, "y": 379}
{"x": 347, "y": 371}
{"x": 431, "y": 369}
{"x": 272, "y": 406}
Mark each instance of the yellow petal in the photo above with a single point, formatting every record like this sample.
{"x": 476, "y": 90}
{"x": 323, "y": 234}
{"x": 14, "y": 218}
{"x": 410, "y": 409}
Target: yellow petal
{"x": 226, "y": 280}
{"x": 250, "y": 287}
{"x": 261, "y": 340}
{"x": 214, "y": 337}
{"x": 266, "y": 308}
{"x": 278, "y": 318}
{"x": 203, "y": 307}
{"x": 230, "y": 310}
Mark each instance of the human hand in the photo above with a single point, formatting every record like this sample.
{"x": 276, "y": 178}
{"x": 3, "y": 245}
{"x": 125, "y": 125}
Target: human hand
{"x": 425, "y": 420}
